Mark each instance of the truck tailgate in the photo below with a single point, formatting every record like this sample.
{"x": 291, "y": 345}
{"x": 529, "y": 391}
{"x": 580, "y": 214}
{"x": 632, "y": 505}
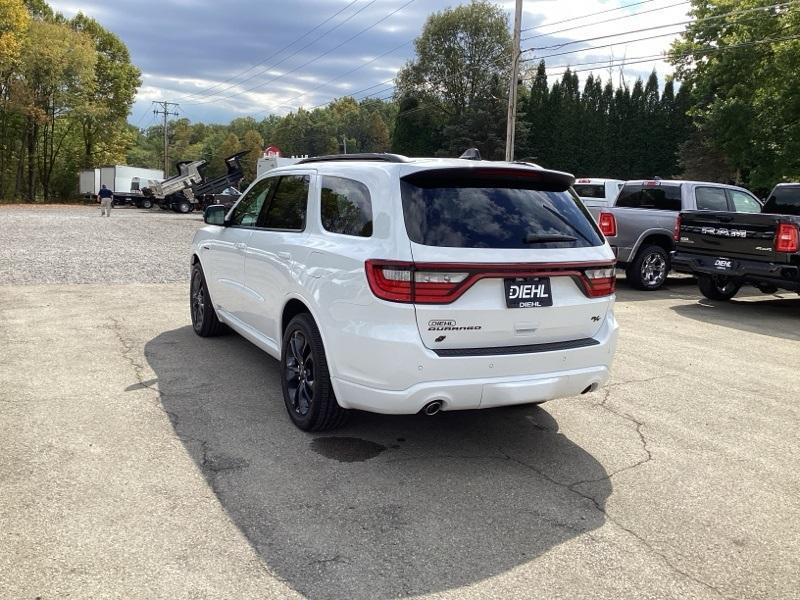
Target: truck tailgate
{"x": 728, "y": 234}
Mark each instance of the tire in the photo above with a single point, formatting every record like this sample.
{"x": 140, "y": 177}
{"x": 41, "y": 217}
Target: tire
{"x": 184, "y": 207}
{"x": 649, "y": 269}
{"x": 204, "y": 318}
{"x": 147, "y": 203}
{"x": 311, "y": 406}
{"x": 718, "y": 287}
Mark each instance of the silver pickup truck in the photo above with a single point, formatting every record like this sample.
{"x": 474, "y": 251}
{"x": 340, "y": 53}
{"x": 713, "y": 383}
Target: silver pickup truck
{"x": 640, "y": 223}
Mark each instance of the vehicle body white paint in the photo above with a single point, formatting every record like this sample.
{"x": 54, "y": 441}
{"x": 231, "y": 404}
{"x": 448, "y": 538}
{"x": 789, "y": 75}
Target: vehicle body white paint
{"x": 380, "y": 353}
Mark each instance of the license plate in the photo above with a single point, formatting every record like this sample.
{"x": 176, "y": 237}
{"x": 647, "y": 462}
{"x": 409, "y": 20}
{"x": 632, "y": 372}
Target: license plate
{"x": 528, "y": 292}
{"x": 723, "y": 264}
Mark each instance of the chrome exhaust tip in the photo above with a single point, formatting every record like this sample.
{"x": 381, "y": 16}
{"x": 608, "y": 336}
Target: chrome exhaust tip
{"x": 431, "y": 408}
{"x": 591, "y": 388}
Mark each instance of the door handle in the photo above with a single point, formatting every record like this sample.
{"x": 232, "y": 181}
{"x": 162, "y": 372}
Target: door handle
{"x": 240, "y": 245}
{"x": 284, "y": 255}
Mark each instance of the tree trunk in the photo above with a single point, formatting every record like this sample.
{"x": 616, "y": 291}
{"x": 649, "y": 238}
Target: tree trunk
{"x": 32, "y": 132}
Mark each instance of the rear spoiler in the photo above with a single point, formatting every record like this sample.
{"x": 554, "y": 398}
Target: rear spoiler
{"x": 500, "y": 176}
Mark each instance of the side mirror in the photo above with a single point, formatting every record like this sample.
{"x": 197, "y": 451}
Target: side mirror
{"x": 215, "y": 214}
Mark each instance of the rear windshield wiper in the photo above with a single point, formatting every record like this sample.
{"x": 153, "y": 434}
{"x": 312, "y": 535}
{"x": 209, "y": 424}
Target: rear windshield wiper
{"x": 561, "y": 218}
{"x": 544, "y": 238}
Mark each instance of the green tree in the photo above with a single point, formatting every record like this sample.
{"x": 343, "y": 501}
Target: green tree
{"x": 744, "y": 89}
{"x": 230, "y": 145}
{"x": 105, "y": 108}
{"x": 462, "y": 58}
{"x": 55, "y": 78}
{"x": 254, "y": 144}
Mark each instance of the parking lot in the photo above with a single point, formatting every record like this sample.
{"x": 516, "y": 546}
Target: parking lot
{"x": 142, "y": 461}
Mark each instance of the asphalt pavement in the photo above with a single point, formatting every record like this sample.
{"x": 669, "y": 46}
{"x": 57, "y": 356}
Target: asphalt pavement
{"x": 140, "y": 461}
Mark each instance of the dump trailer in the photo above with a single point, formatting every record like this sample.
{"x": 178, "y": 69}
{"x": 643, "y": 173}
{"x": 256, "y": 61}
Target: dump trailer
{"x": 190, "y": 189}
{"x": 209, "y": 190}
{"x": 178, "y": 188}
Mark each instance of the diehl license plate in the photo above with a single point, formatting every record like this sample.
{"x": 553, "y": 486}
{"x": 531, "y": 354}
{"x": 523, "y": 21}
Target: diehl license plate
{"x": 528, "y": 292}
{"x": 723, "y": 264}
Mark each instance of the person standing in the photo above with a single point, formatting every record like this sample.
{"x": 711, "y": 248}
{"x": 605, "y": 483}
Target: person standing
{"x": 106, "y": 200}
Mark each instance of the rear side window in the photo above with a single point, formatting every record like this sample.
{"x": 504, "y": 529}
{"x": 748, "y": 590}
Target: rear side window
{"x": 655, "y": 197}
{"x": 346, "y": 207}
{"x": 710, "y": 198}
{"x": 590, "y": 190}
{"x": 744, "y": 203}
{"x": 784, "y": 200}
{"x": 287, "y": 210}
{"x": 453, "y": 212}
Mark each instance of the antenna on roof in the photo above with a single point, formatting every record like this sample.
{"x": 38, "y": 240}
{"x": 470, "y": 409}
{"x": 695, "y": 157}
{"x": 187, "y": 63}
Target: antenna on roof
{"x": 471, "y": 154}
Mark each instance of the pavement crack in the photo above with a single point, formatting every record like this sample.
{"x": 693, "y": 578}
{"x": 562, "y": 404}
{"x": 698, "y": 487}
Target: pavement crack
{"x": 128, "y": 350}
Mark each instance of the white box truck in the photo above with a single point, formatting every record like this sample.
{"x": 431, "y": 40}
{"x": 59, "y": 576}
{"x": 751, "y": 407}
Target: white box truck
{"x": 126, "y": 183}
{"x": 89, "y": 182}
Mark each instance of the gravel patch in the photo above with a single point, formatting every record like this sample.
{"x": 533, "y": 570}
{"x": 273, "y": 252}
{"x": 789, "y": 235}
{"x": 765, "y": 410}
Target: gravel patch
{"x": 74, "y": 244}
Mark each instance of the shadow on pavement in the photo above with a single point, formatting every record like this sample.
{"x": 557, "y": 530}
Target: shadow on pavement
{"x": 386, "y": 506}
{"x": 776, "y": 317}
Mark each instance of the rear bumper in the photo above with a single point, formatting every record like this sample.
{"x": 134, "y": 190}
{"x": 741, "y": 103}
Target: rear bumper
{"x": 462, "y": 383}
{"x": 747, "y": 271}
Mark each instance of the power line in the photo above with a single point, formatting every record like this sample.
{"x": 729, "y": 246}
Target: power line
{"x": 644, "y": 59}
{"x": 589, "y": 49}
{"x": 644, "y": 12}
{"x": 338, "y": 77}
{"x": 274, "y": 54}
{"x": 164, "y": 110}
{"x": 594, "y": 14}
{"x": 313, "y": 60}
{"x": 679, "y": 24}
{"x": 281, "y": 61}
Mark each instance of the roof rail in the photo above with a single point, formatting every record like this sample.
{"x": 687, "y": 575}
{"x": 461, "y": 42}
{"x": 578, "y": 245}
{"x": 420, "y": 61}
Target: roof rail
{"x": 378, "y": 156}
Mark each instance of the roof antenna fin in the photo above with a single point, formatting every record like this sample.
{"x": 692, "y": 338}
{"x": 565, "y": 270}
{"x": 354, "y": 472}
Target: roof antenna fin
{"x": 471, "y": 154}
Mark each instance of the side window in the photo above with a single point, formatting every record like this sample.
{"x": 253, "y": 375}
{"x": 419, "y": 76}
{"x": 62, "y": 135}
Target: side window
{"x": 711, "y": 198}
{"x": 246, "y": 211}
{"x": 287, "y": 210}
{"x": 653, "y": 197}
{"x": 346, "y": 207}
{"x": 744, "y": 203}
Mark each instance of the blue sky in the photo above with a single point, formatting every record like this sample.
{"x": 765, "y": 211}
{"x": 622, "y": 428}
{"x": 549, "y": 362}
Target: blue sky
{"x": 269, "y": 56}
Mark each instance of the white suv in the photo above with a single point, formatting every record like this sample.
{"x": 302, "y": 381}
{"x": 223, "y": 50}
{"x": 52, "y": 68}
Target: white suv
{"x": 398, "y": 285}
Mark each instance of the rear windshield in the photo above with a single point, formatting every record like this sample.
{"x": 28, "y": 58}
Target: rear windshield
{"x": 590, "y": 190}
{"x": 460, "y": 215}
{"x": 652, "y": 196}
{"x": 784, "y": 200}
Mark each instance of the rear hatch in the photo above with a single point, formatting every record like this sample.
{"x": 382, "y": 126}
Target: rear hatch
{"x": 731, "y": 235}
{"x": 514, "y": 252}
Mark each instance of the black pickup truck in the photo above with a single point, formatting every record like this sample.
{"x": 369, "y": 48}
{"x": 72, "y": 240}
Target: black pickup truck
{"x": 727, "y": 250}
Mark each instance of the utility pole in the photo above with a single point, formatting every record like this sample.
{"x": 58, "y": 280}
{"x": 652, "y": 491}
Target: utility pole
{"x": 511, "y": 127}
{"x": 344, "y": 143}
{"x": 166, "y": 112}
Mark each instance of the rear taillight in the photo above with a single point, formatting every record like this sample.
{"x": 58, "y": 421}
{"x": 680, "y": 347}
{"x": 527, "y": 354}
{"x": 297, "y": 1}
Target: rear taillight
{"x": 403, "y": 282}
{"x": 787, "y": 238}
{"x": 608, "y": 224}
{"x": 600, "y": 282}
{"x": 441, "y": 283}
{"x": 676, "y": 233}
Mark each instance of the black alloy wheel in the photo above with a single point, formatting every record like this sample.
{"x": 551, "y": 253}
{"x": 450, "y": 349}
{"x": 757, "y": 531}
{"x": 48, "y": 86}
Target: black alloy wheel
{"x": 299, "y": 374}
{"x": 204, "y": 318}
{"x": 306, "y": 382}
